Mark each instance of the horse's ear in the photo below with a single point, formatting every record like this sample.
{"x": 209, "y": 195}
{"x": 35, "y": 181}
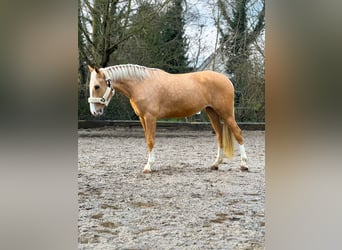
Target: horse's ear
{"x": 97, "y": 70}
{"x": 90, "y": 69}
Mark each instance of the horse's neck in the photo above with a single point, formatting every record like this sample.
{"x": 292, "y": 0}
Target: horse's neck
{"x": 124, "y": 86}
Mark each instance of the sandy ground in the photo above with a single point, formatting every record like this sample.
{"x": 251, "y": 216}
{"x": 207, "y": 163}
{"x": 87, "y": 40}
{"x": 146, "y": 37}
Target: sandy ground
{"x": 181, "y": 205}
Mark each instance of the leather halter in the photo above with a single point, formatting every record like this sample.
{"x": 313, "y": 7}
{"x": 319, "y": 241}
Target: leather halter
{"x": 105, "y": 99}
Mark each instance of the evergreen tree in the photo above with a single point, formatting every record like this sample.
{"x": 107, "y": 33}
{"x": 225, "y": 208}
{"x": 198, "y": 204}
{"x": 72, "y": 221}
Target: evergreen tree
{"x": 144, "y": 47}
{"x": 160, "y": 41}
{"x": 173, "y": 42}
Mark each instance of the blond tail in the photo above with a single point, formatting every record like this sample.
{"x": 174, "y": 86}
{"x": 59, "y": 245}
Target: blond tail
{"x": 227, "y": 141}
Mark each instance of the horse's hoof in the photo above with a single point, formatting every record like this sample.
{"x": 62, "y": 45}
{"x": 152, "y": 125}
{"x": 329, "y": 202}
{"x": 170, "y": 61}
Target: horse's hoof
{"x": 243, "y": 168}
{"x": 147, "y": 171}
{"x": 214, "y": 167}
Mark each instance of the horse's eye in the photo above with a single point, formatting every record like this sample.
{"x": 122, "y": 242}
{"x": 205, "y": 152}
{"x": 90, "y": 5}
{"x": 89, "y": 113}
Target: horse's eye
{"x": 97, "y": 87}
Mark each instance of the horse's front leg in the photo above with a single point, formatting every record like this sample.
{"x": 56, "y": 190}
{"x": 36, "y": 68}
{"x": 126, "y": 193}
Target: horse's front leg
{"x": 149, "y": 124}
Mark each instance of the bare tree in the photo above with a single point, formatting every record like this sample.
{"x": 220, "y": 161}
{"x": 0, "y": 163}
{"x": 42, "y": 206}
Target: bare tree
{"x": 102, "y": 25}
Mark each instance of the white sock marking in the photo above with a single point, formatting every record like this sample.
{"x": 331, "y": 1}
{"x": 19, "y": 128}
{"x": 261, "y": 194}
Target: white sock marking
{"x": 150, "y": 161}
{"x": 243, "y": 153}
{"x": 219, "y": 157}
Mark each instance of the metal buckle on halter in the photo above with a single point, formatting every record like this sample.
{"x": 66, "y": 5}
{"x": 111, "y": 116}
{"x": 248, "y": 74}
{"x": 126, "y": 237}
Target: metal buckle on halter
{"x": 109, "y": 86}
{"x": 108, "y": 83}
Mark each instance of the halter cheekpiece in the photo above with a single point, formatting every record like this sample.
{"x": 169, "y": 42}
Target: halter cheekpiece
{"x": 105, "y": 99}
{"x": 108, "y": 83}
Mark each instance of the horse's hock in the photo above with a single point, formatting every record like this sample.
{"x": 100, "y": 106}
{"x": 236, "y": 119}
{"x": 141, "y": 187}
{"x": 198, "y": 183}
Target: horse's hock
{"x": 180, "y": 205}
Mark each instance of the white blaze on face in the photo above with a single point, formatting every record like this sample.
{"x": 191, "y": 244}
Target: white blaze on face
{"x": 91, "y": 88}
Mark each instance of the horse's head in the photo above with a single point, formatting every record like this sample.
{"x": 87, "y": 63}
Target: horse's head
{"x": 100, "y": 91}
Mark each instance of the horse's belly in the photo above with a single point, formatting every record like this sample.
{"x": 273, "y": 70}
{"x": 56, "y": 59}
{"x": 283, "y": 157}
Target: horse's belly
{"x": 177, "y": 114}
{"x": 180, "y": 107}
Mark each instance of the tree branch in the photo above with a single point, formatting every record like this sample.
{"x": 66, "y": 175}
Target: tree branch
{"x": 258, "y": 27}
{"x": 223, "y": 9}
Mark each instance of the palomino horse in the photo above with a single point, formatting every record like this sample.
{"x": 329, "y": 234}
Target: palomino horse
{"x": 154, "y": 93}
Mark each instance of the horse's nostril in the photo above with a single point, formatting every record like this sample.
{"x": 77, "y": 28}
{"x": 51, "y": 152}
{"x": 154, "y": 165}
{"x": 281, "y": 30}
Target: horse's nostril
{"x": 99, "y": 111}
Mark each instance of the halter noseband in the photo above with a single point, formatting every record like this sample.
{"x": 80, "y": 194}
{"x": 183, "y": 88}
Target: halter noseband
{"x": 105, "y": 99}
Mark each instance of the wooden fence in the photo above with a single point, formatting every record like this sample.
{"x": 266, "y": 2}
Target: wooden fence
{"x": 86, "y": 124}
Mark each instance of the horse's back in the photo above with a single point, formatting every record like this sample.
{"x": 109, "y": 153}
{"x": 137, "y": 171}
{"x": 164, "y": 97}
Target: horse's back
{"x": 214, "y": 82}
{"x": 208, "y": 77}
{"x": 202, "y": 82}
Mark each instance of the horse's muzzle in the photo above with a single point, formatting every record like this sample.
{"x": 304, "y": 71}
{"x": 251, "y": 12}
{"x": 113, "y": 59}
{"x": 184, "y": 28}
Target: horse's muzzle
{"x": 98, "y": 112}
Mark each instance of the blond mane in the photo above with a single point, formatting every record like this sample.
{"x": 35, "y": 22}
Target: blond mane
{"x": 125, "y": 72}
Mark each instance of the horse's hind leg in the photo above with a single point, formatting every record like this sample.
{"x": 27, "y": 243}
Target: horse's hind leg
{"x": 216, "y": 124}
{"x": 149, "y": 124}
{"x": 230, "y": 121}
